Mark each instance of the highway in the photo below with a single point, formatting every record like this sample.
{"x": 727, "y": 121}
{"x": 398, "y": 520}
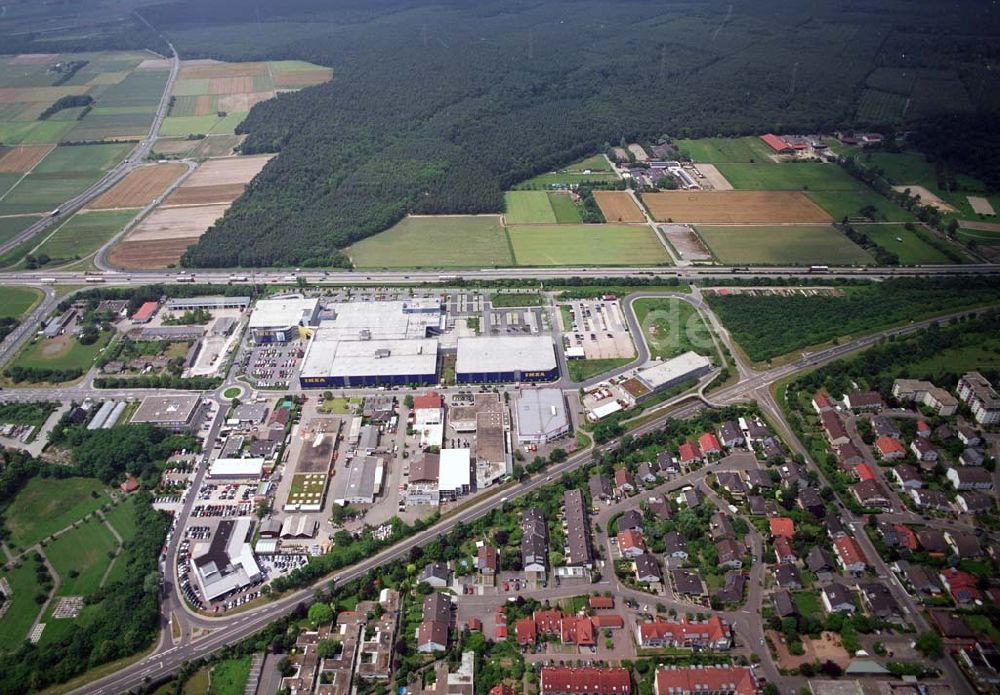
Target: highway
{"x": 114, "y": 175}
{"x": 169, "y": 655}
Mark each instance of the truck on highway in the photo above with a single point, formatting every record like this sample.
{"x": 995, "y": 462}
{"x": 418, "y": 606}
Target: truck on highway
{"x": 92, "y": 279}
{"x": 48, "y": 281}
{"x": 238, "y": 278}
{"x": 184, "y": 277}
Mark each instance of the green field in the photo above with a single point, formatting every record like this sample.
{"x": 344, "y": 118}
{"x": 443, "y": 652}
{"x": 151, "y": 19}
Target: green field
{"x": 596, "y": 163}
{"x": 788, "y": 177}
{"x": 783, "y": 245}
{"x": 436, "y": 242}
{"x": 122, "y": 517}
{"x": 64, "y": 352}
{"x": 671, "y": 327}
{"x": 15, "y": 302}
{"x": 982, "y": 237}
{"x": 45, "y": 192}
{"x": 600, "y": 171}
{"x": 80, "y": 557}
{"x": 46, "y": 505}
{"x": 180, "y": 126}
{"x": 529, "y": 207}
{"x": 83, "y": 234}
{"x": 23, "y": 610}
{"x": 977, "y": 356}
{"x": 841, "y": 204}
{"x": 586, "y": 244}
{"x": 567, "y": 212}
{"x": 138, "y": 89}
{"x": 582, "y": 370}
{"x": 229, "y": 677}
{"x": 918, "y": 247}
{"x": 717, "y": 150}
{"x": 33, "y": 132}
{"x": 7, "y": 182}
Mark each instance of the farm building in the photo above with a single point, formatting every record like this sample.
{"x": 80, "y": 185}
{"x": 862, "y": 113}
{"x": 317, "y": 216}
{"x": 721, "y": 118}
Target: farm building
{"x": 498, "y": 359}
{"x": 171, "y": 412}
{"x": 333, "y": 363}
{"x": 541, "y": 416}
{"x": 228, "y": 562}
{"x": 779, "y": 145}
{"x": 207, "y": 303}
{"x": 280, "y": 320}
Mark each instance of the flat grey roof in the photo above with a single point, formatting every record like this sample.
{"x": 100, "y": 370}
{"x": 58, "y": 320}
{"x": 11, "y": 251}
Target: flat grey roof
{"x": 361, "y": 480}
{"x": 505, "y": 354}
{"x": 282, "y": 313}
{"x": 161, "y": 409}
{"x": 676, "y": 368}
{"x": 329, "y": 356}
{"x": 541, "y": 411}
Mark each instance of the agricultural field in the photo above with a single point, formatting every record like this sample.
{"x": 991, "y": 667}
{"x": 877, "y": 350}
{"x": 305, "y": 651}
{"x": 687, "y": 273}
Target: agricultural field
{"x": 720, "y": 150}
{"x": 594, "y": 244}
{"x": 528, "y": 207}
{"x": 980, "y": 233}
{"x": 81, "y": 159}
{"x": 15, "y": 302}
{"x": 46, "y": 505}
{"x": 734, "y": 207}
{"x": 23, "y": 158}
{"x": 80, "y": 557}
{"x": 841, "y": 204}
{"x": 82, "y": 234}
{"x": 917, "y": 247}
{"x": 783, "y": 245}
{"x": 618, "y": 206}
{"x": 592, "y": 169}
{"x": 212, "y": 97}
{"x": 12, "y": 226}
{"x": 788, "y": 177}
{"x": 567, "y": 212}
{"x": 217, "y": 181}
{"x": 140, "y": 187}
{"x": 215, "y": 145}
{"x": 436, "y": 242}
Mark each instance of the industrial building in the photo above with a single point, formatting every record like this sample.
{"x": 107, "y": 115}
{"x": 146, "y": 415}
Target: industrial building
{"x": 541, "y": 416}
{"x": 281, "y": 320}
{"x": 393, "y": 320}
{"x": 207, "y": 303}
{"x": 665, "y": 375}
{"x": 171, "y": 412}
{"x": 364, "y": 480}
{"x": 454, "y": 473}
{"x": 145, "y": 313}
{"x": 236, "y": 469}
{"x": 500, "y": 359}
{"x": 333, "y": 363}
{"x": 228, "y": 562}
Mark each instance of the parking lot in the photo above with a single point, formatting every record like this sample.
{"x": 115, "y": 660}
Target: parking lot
{"x": 599, "y": 328}
{"x": 528, "y": 321}
{"x": 273, "y": 366}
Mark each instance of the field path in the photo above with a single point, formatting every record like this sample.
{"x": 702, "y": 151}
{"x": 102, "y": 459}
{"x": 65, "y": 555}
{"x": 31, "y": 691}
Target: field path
{"x": 121, "y": 545}
{"x": 56, "y": 581}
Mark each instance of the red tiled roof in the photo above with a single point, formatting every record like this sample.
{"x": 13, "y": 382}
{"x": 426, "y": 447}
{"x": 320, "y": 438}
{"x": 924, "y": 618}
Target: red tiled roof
{"x": 475, "y": 624}
{"x": 906, "y": 536}
{"x": 864, "y": 472}
{"x": 821, "y": 400}
{"x": 962, "y": 585}
{"x": 502, "y": 689}
{"x": 689, "y": 451}
{"x": 622, "y": 476}
{"x": 774, "y": 142}
{"x": 889, "y": 445}
{"x": 593, "y": 681}
{"x": 525, "y": 628}
{"x": 714, "y": 679}
{"x": 709, "y": 442}
{"x": 782, "y": 526}
{"x": 548, "y": 621}
{"x": 598, "y": 602}
{"x": 631, "y": 539}
{"x": 710, "y": 630}
{"x": 610, "y": 621}
{"x": 428, "y": 401}
{"x": 783, "y": 548}
{"x": 849, "y": 550}
{"x": 923, "y": 426}
{"x": 487, "y": 556}
{"x": 144, "y": 312}
{"x": 578, "y": 631}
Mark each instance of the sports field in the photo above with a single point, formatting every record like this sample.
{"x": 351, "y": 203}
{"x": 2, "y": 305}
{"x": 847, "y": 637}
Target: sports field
{"x": 588, "y": 244}
{"x": 80, "y": 557}
{"x": 15, "y": 302}
{"x": 63, "y": 352}
{"x": 462, "y": 241}
{"x": 783, "y": 245}
{"x": 529, "y": 207}
{"x": 916, "y": 247}
{"x": 719, "y": 150}
{"x": 83, "y": 234}
{"x": 46, "y": 505}
{"x": 734, "y": 207}
{"x": 788, "y": 177}
{"x": 618, "y": 206}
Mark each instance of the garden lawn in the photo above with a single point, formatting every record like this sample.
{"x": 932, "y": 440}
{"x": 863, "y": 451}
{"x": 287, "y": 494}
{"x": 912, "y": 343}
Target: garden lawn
{"x": 586, "y": 244}
{"x": 21, "y": 613}
{"x": 461, "y": 241}
{"x": 64, "y": 352}
{"x": 84, "y": 551}
{"x": 783, "y": 245}
{"x": 229, "y": 677}
{"x": 122, "y": 517}
{"x": 46, "y": 505}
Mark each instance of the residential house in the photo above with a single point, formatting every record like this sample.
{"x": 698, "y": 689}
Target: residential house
{"x": 732, "y": 483}
{"x": 787, "y": 576}
{"x": 757, "y": 505}
{"x": 709, "y": 444}
{"x": 730, "y": 435}
{"x": 720, "y": 527}
{"x": 933, "y": 500}
{"x": 711, "y": 633}
{"x": 923, "y": 429}
{"x": 964, "y": 544}
{"x": 871, "y": 494}
{"x": 977, "y": 392}
{"x": 907, "y": 476}
{"x": 975, "y": 502}
{"x": 883, "y": 426}
{"x": 487, "y": 561}
{"x": 600, "y": 488}
{"x": 921, "y": 579}
{"x": 961, "y": 585}
{"x": 534, "y": 543}
{"x": 676, "y": 545}
{"x": 837, "y": 598}
{"x": 730, "y": 553}
{"x": 624, "y": 481}
{"x": 879, "y": 601}
{"x": 667, "y": 463}
{"x": 783, "y": 550}
{"x": 864, "y": 400}
{"x": 964, "y": 478}
{"x": 812, "y": 502}
{"x": 784, "y": 606}
{"x": 646, "y": 474}
{"x": 971, "y": 457}
{"x": 849, "y": 456}
{"x": 689, "y": 454}
{"x": 849, "y": 555}
{"x": 820, "y": 560}
{"x": 923, "y": 450}
{"x": 756, "y": 479}
{"x": 631, "y": 544}
{"x": 834, "y": 527}
{"x": 577, "y": 529}
{"x": 968, "y": 436}
{"x": 782, "y": 526}
{"x": 436, "y": 574}
{"x": 691, "y": 497}
{"x": 890, "y": 448}
{"x": 932, "y": 540}
{"x": 791, "y": 474}
{"x": 705, "y": 680}
{"x": 687, "y": 583}
{"x": 732, "y": 588}
{"x": 564, "y": 680}
{"x": 834, "y": 428}
{"x": 659, "y": 508}
{"x": 631, "y": 521}
{"x": 821, "y": 402}
{"x": 647, "y": 569}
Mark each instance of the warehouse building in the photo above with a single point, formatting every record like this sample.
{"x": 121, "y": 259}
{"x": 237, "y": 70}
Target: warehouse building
{"x": 454, "y": 473}
{"x": 282, "y": 320}
{"x": 228, "y": 563}
{"x": 236, "y": 469}
{"x": 645, "y": 383}
{"x": 207, "y": 303}
{"x": 541, "y": 416}
{"x": 171, "y": 412}
{"x": 364, "y": 480}
{"x": 394, "y": 320}
{"x": 333, "y": 363}
{"x": 500, "y": 359}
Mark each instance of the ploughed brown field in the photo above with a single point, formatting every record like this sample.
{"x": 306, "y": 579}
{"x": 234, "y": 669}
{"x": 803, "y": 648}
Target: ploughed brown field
{"x": 734, "y": 207}
{"x": 150, "y": 254}
{"x": 23, "y": 158}
{"x": 140, "y": 188}
{"x": 618, "y": 206}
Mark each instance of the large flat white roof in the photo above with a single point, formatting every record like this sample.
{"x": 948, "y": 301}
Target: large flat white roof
{"x": 236, "y": 468}
{"x": 505, "y": 354}
{"x": 454, "y": 469}
{"x": 282, "y": 313}
{"x": 541, "y": 412}
{"x": 394, "y": 320}
{"x": 166, "y": 409}
{"x": 329, "y": 356}
{"x": 676, "y": 368}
